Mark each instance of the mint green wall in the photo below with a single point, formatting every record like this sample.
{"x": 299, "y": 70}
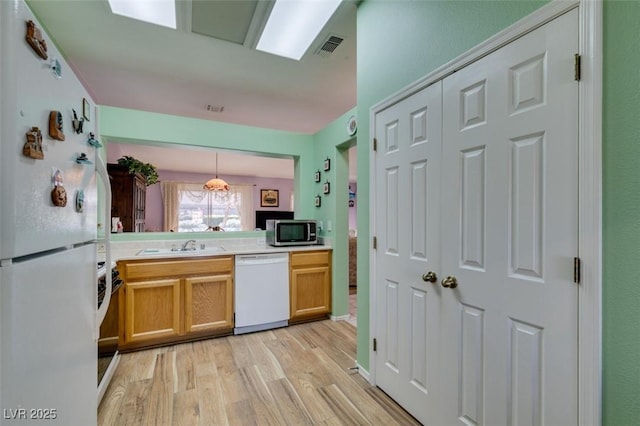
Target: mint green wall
{"x": 332, "y": 142}
{"x": 133, "y": 126}
{"x": 398, "y": 43}
{"x": 621, "y": 212}
{"x": 445, "y": 29}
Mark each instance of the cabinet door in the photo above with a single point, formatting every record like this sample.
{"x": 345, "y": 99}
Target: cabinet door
{"x": 152, "y": 309}
{"x": 208, "y": 303}
{"x": 310, "y": 292}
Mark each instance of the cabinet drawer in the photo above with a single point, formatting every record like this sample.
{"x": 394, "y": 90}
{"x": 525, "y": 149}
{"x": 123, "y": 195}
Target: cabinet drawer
{"x": 145, "y": 269}
{"x": 310, "y": 258}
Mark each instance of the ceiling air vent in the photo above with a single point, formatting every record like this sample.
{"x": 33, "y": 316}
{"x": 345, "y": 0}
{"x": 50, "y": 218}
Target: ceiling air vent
{"x": 330, "y": 44}
{"x": 213, "y": 108}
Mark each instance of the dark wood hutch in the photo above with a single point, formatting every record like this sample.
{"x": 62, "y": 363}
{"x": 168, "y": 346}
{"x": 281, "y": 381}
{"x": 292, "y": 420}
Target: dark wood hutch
{"x": 128, "y": 196}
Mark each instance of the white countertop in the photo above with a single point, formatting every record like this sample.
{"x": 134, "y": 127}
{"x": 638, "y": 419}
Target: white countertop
{"x": 132, "y": 249}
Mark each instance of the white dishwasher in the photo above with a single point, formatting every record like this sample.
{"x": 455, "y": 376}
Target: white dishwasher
{"x": 261, "y": 292}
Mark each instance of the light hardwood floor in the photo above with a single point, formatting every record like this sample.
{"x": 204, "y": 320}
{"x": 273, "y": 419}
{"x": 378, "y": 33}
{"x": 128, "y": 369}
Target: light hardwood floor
{"x": 298, "y": 375}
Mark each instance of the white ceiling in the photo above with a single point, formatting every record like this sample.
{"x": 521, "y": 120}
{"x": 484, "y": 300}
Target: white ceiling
{"x": 131, "y": 64}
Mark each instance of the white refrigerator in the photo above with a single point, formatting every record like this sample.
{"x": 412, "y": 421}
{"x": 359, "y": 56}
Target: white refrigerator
{"x": 48, "y": 291}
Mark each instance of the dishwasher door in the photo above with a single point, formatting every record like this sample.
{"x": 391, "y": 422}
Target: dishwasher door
{"x": 261, "y": 292}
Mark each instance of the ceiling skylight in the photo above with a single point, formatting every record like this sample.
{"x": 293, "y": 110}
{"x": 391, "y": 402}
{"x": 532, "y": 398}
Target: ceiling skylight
{"x": 293, "y": 25}
{"x": 159, "y": 12}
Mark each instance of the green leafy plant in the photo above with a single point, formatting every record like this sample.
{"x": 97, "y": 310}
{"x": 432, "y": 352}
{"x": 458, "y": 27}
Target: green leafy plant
{"x": 147, "y": 170}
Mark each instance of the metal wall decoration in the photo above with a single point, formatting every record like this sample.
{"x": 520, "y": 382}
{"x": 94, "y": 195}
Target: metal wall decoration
{"x": 33, "y": 146}
{"x": 35, "y": 40}
{"x": 55, "y": 125}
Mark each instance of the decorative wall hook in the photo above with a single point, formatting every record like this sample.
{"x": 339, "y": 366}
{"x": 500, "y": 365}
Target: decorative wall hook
{"x": 93, "y": 141}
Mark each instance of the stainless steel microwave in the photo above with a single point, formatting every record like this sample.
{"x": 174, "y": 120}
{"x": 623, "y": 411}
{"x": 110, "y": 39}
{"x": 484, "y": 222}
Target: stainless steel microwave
{"x": 282, "y": 232}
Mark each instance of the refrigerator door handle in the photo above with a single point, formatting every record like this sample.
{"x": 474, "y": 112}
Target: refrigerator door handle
{"x": 101, "y": 170}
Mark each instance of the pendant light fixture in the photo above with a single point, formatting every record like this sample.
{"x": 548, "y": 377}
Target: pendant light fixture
{"x": 216, "y": 184}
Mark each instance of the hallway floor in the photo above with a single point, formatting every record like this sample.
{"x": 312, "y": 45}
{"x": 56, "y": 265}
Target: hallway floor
{"x": 353, "y": 318}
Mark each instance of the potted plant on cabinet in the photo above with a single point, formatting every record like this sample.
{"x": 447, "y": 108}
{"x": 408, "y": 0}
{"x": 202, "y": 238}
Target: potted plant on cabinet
{"x": 147, "y": 170}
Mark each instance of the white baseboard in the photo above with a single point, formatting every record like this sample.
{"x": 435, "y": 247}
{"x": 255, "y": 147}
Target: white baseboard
{"x": 364, "y": 373}
{"x": 339, "y": 317}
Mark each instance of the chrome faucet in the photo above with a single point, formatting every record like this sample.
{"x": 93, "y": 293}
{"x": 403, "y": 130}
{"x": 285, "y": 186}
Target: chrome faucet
{"x": 186, "y": 244}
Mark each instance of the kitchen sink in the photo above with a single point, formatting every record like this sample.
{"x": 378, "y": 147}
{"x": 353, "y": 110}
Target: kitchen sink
{"x": 179, "y": 252}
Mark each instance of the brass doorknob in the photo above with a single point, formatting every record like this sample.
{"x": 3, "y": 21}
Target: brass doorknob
{"x": 430, "y": 277}
{"x": 449, "y": 282}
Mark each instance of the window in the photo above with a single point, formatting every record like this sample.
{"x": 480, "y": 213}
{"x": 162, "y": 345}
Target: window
{"x": 195, "y": 209}
{"x": 209, "y": 211}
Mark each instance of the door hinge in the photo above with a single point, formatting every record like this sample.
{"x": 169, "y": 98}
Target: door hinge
{"x": 375, "y": 243}
{"x": 577, "y": 67}
{"x": 375, "y": 344}
{"x": 577, "y": 268}
{"x": 375, "y": 144}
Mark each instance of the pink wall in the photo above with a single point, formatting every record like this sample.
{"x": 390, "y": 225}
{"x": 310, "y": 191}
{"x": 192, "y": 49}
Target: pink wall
{"x": 154, "y": 210}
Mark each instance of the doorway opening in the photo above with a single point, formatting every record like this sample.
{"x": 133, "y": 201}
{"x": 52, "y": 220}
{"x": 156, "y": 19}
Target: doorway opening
{"x": 352, "y": 206}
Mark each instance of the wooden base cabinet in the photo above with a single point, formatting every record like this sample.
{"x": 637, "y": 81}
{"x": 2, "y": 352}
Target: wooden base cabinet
{"x": 152, "y": 309}
{"x": 310, "y": 285}
{"x": 171, "y": 300}
{"x": 208, "y": 303}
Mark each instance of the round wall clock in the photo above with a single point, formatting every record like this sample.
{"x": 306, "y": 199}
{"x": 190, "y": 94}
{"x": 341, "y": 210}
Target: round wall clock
{"x": 352, "y": 125}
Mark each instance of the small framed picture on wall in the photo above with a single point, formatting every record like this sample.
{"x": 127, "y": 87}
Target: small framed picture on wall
{"x": 269, "y": 198}
{"x": 327, "y": 165}
{"x": 318, "y": 201}
{"x": 317, "y": 176}
{"x": 326, "y": 188}
{"x": 86, "y": 109}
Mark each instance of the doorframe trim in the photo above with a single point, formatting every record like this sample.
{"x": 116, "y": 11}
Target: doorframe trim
{"x": 590, "y": 184}
{"x": 590, "y": 214}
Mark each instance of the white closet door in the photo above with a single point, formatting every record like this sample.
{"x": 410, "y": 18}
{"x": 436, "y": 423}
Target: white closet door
{"x": 510, "y": 233}
{"x": 407, "y": 223}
